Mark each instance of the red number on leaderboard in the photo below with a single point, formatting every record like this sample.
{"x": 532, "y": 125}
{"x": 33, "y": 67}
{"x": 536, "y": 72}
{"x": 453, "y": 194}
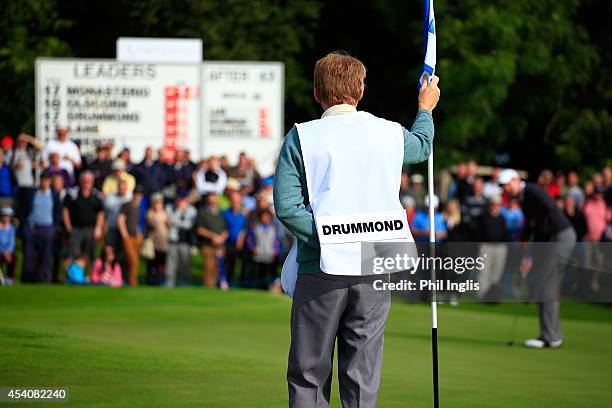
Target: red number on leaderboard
{"x": 264, "y": 128}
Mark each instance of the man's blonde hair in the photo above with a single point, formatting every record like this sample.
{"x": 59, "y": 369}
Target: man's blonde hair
{"x": 339, "y": 78}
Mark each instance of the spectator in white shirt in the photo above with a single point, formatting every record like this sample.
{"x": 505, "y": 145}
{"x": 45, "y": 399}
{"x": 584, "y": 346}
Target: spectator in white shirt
{"x": 70, "y": 157}
{"x": 210, "y": 177}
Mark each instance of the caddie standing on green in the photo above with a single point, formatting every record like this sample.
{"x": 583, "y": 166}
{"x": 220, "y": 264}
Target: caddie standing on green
{"x": 337, "y": 186}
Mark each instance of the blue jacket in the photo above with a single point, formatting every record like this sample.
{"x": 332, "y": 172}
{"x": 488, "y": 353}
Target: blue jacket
{"x": 7, "y": 182}
{"x": 58, "y": 206}
{"x": 153, "y": 178}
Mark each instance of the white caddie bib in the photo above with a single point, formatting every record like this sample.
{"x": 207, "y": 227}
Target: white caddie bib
{"x": 353, "y": 165}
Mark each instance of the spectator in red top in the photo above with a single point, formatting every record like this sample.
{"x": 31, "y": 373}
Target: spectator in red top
{"x": 597, "y": 216}
{"x": 545, "y": 180}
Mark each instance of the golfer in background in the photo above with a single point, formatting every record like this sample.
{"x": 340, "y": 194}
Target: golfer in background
{"x": 544, "y": 223}
{"x": 335, "y": 176}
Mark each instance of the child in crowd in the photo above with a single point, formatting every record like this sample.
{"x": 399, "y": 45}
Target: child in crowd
{"x": 7, "y": 244}
{"x": 106, "y": 270}
{"x": 76, "y": 270}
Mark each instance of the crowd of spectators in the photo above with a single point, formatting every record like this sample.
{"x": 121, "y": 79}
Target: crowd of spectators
{"x": 94, "y": 220}
{"x": 475, "y": 209}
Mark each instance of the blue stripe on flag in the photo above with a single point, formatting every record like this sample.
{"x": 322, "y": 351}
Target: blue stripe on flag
{"x": 425, "y": 21}
{"x": 428, "y": 69}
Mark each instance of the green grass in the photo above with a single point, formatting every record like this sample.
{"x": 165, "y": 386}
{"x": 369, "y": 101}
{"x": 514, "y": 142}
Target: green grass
{"x": 190, "y": 347}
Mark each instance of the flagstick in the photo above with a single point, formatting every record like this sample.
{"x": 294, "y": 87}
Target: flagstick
{"x": 432, "y": 253}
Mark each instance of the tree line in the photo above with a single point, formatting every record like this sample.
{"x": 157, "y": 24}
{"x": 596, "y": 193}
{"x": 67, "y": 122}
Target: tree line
{"x": 524, "y": 83}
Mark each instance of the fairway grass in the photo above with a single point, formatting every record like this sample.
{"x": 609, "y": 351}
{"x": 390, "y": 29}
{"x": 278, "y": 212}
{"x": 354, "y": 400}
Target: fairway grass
{"x": 191, "y": 347}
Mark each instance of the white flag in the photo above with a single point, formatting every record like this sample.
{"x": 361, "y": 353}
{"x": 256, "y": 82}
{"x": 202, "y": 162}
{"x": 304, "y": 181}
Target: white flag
{"x": 429, "y": 25}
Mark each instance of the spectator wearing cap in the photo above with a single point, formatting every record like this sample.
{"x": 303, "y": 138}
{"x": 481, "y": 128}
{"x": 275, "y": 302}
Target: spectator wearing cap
{"x": 23, "y": 160}
{"x": 43, "y": 214}
{"x": 7, "y": 143}
{"x": 8, "y": 258}
{"x": 101, "y": 167}
{"x": 54, "y": 168}
{"x": 7, "y": 183}
{"x": 70, "y": 156}
{"x": 83, "y": 216}
{"x": 267, "y": 188}
{"x": 212, "y": 233}
{"x": 157, "y": 227}
{"x": 492, "y": 234}
{"x": 544, "y": 222}
{"x": 420, "y": 224}
{"x": 236, "y": 221}
{"x": 131, "y": 233}
{"x": 416, "y": 189}
{"x": 111, "y": 182}
{"x": 225, "y": 199}
{"x": 181, "y": 219}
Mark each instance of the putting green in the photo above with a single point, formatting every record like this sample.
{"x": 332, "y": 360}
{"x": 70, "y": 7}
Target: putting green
{"x": 150, "y": 347}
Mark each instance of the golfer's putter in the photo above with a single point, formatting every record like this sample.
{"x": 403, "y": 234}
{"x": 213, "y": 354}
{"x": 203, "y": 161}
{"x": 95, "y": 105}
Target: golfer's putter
{"x": 511, "y": 342}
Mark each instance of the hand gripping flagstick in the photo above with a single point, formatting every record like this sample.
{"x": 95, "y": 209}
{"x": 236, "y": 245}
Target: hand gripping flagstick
{"x": 429, "y": 68}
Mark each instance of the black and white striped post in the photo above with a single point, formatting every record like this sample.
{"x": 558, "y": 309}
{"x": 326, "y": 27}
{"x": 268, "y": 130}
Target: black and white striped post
{"x": 429, "y": 67}
{"x": 432, "y": 253}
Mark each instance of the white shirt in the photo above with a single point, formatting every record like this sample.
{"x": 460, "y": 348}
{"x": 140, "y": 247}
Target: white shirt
{"x": 205, "y": 187}
{"x": 66, "y": 148}
{"x": 341, "y": 109}
{"x": 23, "y": 173}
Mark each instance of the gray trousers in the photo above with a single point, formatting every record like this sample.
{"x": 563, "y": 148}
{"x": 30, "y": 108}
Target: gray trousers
{"x": 549, "y": 264}
{"x": 496, "y": 254}
{"x": 178, "y": 259}
{"x": 346, "y": 308}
